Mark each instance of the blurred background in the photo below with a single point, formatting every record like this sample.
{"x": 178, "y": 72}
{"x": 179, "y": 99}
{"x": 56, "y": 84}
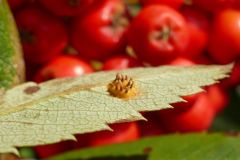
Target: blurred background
{"x": 67, "y": 38}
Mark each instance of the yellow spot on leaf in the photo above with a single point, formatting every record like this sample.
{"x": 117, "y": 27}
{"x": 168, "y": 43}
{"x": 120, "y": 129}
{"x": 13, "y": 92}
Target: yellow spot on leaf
{"x": 122, "y": 87}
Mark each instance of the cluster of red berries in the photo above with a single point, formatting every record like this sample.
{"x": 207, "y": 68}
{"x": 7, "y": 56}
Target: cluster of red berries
{"x": 65, "y": 38}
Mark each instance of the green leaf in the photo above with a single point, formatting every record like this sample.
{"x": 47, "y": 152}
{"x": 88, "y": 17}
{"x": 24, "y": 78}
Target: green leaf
{"x": 171, "y": 147}
{"x": 11, "y": 62}
{"x": 37, "y": 114}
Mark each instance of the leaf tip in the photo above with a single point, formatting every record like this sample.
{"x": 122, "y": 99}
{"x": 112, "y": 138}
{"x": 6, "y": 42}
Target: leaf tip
{"x": 229, "y": 67}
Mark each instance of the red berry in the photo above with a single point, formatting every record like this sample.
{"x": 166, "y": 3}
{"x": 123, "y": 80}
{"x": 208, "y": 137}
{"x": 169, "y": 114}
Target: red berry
{"x": 67, "y": 7}
{"x": 43, "y": 36}
{"x": 82, "y": 142}
{"x": 226, "y": 23}
{"x": 15, "y": 3}
{"x": 120, "y": 62}
{"x": 220, "y": 50}
{"x": 52, "y": 149}
{"x": 31, "y": 70}
{"x": 180, "y": 61}
{"x": 171, "y": 3}
{"x": 158, "y": 34}
{"x": 197, "y": 117}
{"x": 218, "y": 97}
{"x": 188, "y": 117}
{"x": 203, "y": 59}
{"x": 214, "y": 5}
{"x": 121, "y": 133}
{"x": 63, "y": 66}
{"x": 224, "y": 45}
{"x": 152, "y": 126}
{"x": 198, "y": 27}
{"x": 237, "y": 4}
{"x": 100, "y": 32}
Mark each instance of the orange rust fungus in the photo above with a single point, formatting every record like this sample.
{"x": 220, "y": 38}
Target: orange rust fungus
{"x": 122, "y": 87}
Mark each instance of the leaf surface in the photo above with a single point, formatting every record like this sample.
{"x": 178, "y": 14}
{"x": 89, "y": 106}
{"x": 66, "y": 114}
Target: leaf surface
{"x": 200, "y": 146}
{"x": 37, "y": 114}
{"x": 11, "y": 61}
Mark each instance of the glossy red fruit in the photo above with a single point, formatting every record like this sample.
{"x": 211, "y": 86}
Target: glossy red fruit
{"x": 214, "y": 5}
{"x": 218, "y": 97}
{"x": 237, "y": 4}
{"x": 43, "y": 36}
{"x": 151, "y": 127}
{"x": 220, "y": 50}
{"x": 224, "y": 45}
{"x": 197, "y": 117}
{"x": 198, "y": 27}
{"x": 181, "y": 61}
{"x": 122, "y": 133}
{"x": 158, "y": 34}
{"x": 31, "y": 70}
{"x": 15, "y": 3}
{"x": 67, "y": 7}
{"x": 171, "y": 3}
{"x": 100, "y": 32}
{"x": 188, "y": 116}
{"x": 52, "y": 149}
{"x": 203, "y": 59}
{"x": 120, "y": 62}
{"x": 82, "y": 142}
{"x": 63, "y": 66}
